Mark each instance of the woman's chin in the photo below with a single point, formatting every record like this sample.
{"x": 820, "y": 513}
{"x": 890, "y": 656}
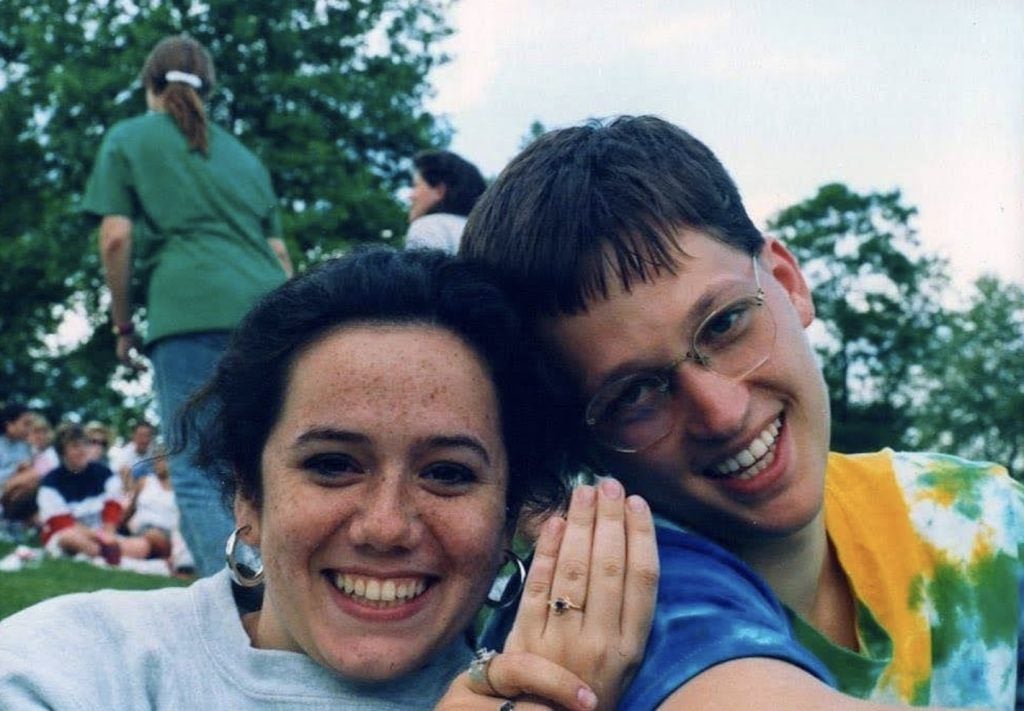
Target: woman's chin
{"x": 378, "y": 661}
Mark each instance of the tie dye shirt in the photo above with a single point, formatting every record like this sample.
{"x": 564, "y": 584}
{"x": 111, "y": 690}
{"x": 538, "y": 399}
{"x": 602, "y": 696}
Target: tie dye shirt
{"x": 933, "y": 547}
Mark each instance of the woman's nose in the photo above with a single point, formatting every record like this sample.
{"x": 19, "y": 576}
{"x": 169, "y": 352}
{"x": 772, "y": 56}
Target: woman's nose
{"x": 387, "y": 519}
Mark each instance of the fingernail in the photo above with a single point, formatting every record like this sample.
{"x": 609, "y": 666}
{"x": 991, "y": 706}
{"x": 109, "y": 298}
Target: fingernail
{"x": 611, "y": 488}
{"x": 636, "y": 503}
{"x": 587, "y": 698}
{"x": 553, "y": 525}
{"x": 585, "y": 494}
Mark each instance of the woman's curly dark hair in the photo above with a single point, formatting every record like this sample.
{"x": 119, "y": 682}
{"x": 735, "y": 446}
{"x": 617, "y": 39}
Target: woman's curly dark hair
{"x": 231, "y": 418}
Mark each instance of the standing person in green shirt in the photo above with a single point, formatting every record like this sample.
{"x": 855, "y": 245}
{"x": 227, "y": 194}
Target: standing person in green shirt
{"x": 188, "y": 207}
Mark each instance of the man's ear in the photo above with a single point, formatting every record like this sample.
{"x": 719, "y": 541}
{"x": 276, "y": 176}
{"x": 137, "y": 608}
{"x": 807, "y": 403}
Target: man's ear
{"x": 783, "y": 266}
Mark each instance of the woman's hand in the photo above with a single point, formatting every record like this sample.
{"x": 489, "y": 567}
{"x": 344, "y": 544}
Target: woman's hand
{"x": 587, "y": 606}
{"x": 589, "y": 597}
{"x": 519, "y": 680}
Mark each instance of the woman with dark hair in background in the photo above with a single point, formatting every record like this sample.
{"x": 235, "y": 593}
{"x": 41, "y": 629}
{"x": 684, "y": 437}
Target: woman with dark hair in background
{"x": 194, "y": 210}
{"x": 445, "y": 187}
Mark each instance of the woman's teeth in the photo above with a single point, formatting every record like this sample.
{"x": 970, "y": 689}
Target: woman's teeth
{"x": 752, "y": 460}
{"x": 379, "y": 592}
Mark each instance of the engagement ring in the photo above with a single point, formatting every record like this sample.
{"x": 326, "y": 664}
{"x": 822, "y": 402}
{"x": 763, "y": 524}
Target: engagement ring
{"x": 561, "y": 604}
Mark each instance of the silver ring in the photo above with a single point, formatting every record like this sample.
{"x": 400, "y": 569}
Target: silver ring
{"x": 478, "y": 669}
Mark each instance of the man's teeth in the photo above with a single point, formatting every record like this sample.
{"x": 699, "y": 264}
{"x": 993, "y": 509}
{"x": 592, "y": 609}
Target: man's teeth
{"x": 384, "y": 592}
{"x": 752, "y": 460}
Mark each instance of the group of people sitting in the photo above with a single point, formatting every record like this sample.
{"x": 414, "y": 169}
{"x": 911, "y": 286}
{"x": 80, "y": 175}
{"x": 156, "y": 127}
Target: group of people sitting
{"x": 84, "y": 498}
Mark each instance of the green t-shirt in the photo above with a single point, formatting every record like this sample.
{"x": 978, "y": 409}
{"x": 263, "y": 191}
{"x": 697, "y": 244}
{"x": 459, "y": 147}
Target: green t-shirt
{"x": 200, "y": 224}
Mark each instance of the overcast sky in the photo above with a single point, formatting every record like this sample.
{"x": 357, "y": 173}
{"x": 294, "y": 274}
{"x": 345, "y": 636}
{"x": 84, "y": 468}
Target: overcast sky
{"x": 923, "y": 95}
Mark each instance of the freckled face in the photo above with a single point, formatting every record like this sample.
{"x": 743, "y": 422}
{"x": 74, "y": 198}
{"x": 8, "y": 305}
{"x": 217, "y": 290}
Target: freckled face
{"x": 383, "y": 516}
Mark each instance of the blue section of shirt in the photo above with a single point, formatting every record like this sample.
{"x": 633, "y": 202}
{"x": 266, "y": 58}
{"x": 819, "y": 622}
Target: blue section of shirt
{"x": 12, "y": 453}
{"x": 712, "y": 608}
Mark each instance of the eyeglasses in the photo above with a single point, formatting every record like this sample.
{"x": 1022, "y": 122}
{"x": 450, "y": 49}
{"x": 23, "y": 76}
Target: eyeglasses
{"x": 636, "y": 411}
{"x": 98, "y": 442}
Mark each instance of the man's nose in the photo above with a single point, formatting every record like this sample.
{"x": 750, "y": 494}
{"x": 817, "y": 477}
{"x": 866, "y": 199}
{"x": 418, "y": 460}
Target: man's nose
{"x": 713, "y": 406}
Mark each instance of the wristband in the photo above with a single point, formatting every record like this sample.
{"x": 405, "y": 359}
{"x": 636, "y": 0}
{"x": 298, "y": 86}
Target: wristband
{"x": 124, "y": 329}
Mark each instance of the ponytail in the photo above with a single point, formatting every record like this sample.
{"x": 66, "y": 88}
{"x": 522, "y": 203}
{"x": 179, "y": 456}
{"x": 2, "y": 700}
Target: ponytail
{"x": 186, "y": 108}
{"x": 180, "y": 71}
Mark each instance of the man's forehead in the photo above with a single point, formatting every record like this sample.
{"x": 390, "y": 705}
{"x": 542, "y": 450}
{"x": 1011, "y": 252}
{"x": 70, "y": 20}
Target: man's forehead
{"x": 642, "y": 324}
{"x": 699, "y": 265}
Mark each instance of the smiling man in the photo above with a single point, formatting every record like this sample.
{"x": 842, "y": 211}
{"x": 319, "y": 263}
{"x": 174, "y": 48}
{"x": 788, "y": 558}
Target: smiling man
{"x": 680, "y": 331}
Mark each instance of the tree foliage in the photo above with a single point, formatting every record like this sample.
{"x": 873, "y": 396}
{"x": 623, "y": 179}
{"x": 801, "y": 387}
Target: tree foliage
{"x": 328, "y": 93}
{"x": 905, "y": 367}
{"x": 876, "y": 293}
{"x": 535, "y": 131}
{"x": 974, "y": 403}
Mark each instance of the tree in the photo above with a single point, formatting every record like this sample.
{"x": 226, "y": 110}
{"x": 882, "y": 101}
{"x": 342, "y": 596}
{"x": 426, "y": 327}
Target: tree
{"x": 975, "y": 395}
{"x": 877, "y": 296}
{"x": 535, "y": 131}
{"x": 329, "y": 94}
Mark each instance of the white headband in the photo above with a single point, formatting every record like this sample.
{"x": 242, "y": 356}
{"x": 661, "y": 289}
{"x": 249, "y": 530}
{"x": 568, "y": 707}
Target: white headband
{"x": 185, "y": 78}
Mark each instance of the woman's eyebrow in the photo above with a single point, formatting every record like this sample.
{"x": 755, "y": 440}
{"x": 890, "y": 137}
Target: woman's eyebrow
{"x": 330, "y": 434}
{"x": 465, "y": 441}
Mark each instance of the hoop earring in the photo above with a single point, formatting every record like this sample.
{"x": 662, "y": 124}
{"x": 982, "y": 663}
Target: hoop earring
{"x": 515, "y": 583}
{"x": 242, "y": 574}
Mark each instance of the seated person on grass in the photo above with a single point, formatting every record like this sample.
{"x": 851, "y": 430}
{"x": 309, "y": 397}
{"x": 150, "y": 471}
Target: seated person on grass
{"x": 152, "y": 511}
{"x": 15, "y": 459}
{"x": 80, "y": 505}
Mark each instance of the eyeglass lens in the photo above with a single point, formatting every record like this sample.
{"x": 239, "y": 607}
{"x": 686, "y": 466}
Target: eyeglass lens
{"x": 636, "y": 411}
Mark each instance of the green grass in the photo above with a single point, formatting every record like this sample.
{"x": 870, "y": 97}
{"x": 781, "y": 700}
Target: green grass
{"x": 57, "y": 577}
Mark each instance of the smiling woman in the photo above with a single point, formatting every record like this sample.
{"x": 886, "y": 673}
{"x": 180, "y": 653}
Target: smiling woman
{"x": 391, "y": 477}
{"x": 379, "y": 424}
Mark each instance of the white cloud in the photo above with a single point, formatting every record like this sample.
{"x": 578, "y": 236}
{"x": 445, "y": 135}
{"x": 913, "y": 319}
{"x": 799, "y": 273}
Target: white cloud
{"x": 875, "y": 94}
{"x": 464, "y": 82}
{"x": 723, "y": 44}
{"x": 683, "y": 29}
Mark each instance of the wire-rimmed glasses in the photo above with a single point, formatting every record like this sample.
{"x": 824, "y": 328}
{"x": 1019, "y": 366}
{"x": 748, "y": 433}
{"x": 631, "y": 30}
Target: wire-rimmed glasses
{"x": 636, "y": 411}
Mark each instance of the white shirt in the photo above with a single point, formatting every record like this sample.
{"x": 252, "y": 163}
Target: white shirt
{"x": 126, "y": 456}
{"x": 438, "y": 230}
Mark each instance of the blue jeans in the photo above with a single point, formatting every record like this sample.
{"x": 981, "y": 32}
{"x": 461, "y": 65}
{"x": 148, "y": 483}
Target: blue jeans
{"x": 181, "y": 364}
